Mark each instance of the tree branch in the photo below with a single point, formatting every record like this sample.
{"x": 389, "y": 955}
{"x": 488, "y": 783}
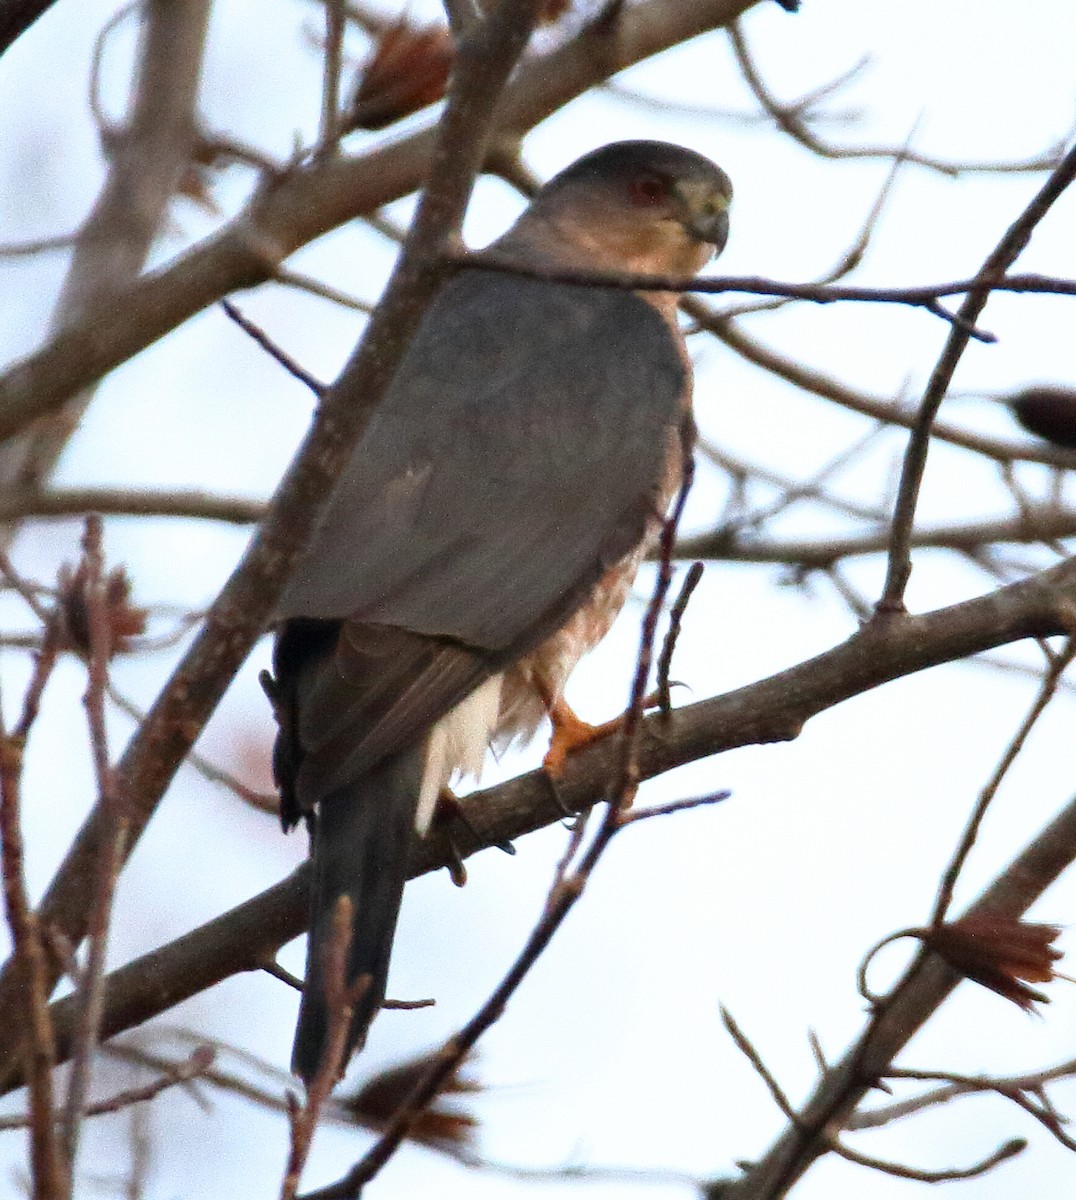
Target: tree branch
{"x": 245, "y": 605}
{"x": 915, "y": 459}
{"x": 915, "y": 999}
{"x": 1038, "y": 524}
{"x": 291, "y": 210}
{"x": 773, "y": 709}
{"x": 147, "y": 160}
{"x": 881, "y": 409}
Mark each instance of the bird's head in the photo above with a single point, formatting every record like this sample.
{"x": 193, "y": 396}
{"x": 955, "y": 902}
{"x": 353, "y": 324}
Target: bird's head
{"x": 636, "y": 206}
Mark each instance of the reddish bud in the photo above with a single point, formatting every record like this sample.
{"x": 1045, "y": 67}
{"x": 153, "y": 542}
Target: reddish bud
{"x": 123, "y": 620}
{"x": 408, "y": 69}
{"x": 439, "y": 1128}
{"x": 1001, "y": 953}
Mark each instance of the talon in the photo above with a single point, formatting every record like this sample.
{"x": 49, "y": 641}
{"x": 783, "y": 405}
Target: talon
{"x": 447, "y": 811}
{"x": 572, "y": 734}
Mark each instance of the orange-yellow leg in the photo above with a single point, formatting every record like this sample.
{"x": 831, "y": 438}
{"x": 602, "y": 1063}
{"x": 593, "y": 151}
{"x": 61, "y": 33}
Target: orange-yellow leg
{"x": 571, "y": 733}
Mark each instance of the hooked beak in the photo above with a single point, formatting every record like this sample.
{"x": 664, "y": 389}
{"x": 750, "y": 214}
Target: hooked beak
{"x": 706, "y": 212}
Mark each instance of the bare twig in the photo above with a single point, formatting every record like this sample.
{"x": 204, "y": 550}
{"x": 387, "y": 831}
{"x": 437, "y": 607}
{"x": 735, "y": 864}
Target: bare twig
{"x": 956, "y": 1086}
{"x": 257, "y": 334}
{"x": 1046, "y": 693}
{"x": 668, "y": 649}
{"x": 926, "y": 296}
{"x": 110, "y": 854}
{"x": 76, "y": 502}
{"x": 50, "y": 1177}
{"x": 196, "y": 1065}
{"x": 1002, "y": 1154}
{"x": 29, "y": 592}
{"x": 340, "y": 998}
{"x": 329, "y": 134}
{"x": 307, "y": 283}
{"x": 791, "y": 120}
{"x": 63, "y": 241}
{"x": 915, "y": 459}
{"x": 266, "y": 802}
{"x": 1030, "y": 528}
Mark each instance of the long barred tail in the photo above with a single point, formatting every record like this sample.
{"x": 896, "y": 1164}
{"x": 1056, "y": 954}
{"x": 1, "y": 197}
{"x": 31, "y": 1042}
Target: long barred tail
{"x": 360, "y": 849}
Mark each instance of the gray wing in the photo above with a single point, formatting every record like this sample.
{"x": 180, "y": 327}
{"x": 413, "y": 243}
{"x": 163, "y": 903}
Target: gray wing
{"x": 515, "y": 457}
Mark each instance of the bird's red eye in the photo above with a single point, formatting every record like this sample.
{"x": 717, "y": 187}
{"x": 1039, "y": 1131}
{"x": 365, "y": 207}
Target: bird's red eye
{"x": 646, "y": 190}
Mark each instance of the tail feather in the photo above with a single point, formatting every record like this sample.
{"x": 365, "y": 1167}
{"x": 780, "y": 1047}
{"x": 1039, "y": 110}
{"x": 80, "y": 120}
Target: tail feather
{"x": 361, "y": 841}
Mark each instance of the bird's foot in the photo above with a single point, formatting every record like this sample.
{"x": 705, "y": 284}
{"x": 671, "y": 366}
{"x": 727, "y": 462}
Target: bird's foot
{"x": 572, "y": 734}
{"x": 449, "y": 811}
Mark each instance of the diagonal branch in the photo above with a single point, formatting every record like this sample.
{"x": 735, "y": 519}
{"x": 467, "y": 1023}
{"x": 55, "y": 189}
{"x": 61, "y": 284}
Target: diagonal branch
{"x": 245, "y": 605}
{"x": 1027, "y": 528}
{"x": 147, "y": 160}
{"x": 915, "y": 459}
{"x": 293, "y": 209}
{"x": 915, "y": 999}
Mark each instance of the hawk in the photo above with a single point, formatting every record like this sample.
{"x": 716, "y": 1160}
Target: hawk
{"x": 484, "y": 535}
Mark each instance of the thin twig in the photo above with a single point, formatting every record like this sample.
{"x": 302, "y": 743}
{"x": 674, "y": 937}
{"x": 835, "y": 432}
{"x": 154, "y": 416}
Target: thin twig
{"x": 307, "y": 283}
{"x": 340, "y": 1000}
{"x": 956, "y": 1086}
{"x": 790, "y": 120}
{"x": 329, "y": 133}
{"x": 997, "y": 263}
{"x": 199, "y": 1062}
{"x": 926, "y": 296}
{"x": 50, "y": 1177}
{"x": 265, "y": 802}
{"x": 111, "y": 852}
{"x": 62, "y": 241}
{"x": 257, "y": 334}
{"x": 1046, "y": 693}
{"x": 58, "y": 503}
{"x": 1004, "y": 1152}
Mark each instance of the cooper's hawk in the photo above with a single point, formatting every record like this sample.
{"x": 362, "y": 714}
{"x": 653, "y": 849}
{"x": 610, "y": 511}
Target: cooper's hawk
{"x": 484, "y": 534}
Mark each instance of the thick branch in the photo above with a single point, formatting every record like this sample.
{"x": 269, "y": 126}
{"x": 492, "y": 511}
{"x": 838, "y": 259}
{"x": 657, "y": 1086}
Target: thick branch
{"x": 919, "y": 995}
{"x": 307, "y": 202}
{"x": 16, "y": 16}
{"x": 772, "y": 710}
{"x": 147, "y": 160}
{"x": 73, "y": 502}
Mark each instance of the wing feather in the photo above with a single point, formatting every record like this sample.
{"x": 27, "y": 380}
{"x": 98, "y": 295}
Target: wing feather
{"x": 518, "y": 454}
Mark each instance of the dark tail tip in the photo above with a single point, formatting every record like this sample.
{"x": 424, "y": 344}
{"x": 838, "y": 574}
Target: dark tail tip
{"x": 360, "y": 849}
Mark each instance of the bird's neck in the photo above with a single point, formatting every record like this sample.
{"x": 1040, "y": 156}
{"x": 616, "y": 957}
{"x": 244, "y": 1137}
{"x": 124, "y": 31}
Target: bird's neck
{"x": 545, "y": 241}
